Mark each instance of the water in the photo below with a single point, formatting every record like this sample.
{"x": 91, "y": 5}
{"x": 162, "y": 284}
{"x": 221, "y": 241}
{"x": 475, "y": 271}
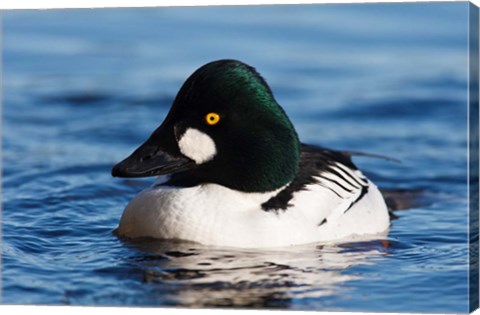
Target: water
{"x": 83, "y": 88}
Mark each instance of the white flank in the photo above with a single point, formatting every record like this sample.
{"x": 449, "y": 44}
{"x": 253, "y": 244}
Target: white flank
{"x": 215, "y": 215}
{"x": 197, "y": 145}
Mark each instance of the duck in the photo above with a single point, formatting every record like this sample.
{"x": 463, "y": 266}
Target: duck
{"x": 231, "y": 171}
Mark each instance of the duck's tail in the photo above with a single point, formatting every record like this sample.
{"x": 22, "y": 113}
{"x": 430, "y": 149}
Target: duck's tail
{"x": 378, "y": 156}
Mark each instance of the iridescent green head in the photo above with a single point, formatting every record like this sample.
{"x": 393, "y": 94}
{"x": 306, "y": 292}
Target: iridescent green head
{"x": 224, "y": 127}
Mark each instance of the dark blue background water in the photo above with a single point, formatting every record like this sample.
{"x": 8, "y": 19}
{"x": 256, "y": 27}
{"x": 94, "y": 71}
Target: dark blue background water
{"x": 83, "y": 88}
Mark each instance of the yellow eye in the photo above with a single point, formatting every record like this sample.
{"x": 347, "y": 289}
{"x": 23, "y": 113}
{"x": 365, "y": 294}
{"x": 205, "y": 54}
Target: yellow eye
{"x": 212, "y": 118}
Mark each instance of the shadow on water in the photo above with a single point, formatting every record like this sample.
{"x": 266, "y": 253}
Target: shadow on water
{"x": 404, "y": 199}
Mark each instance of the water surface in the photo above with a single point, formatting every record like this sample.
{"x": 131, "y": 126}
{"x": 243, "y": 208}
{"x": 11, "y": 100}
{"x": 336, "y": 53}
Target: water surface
{"x": 83, "y": 88}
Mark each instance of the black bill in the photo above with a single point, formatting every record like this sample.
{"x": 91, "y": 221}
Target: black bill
{"x": 149, "y": 160}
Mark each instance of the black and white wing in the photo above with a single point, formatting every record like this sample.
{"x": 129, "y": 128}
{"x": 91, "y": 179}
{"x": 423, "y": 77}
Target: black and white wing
{"x": 333, "y": 170}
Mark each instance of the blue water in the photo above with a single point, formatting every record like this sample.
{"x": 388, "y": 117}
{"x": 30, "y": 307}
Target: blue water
{"x": 83, "y": 88}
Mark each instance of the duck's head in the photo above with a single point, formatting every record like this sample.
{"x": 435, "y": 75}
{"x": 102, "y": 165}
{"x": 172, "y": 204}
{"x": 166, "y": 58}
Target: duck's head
{"x": 224, "y": 127}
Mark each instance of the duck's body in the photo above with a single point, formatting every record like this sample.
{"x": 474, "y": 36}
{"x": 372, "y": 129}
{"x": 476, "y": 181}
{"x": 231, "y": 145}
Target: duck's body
{"x": 252, "y": 187}
{"x": 212, "y": 214}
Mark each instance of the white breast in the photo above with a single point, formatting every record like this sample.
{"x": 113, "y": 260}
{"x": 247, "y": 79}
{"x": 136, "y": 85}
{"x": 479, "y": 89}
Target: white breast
{"x": 215, "y": 215}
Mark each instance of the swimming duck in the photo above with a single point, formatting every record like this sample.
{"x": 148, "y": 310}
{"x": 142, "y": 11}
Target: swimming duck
{"x": 233, "y": 172}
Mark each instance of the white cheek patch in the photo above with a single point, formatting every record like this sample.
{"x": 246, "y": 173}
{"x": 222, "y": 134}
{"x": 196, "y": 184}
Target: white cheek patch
{"x": 197, "y": 145}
